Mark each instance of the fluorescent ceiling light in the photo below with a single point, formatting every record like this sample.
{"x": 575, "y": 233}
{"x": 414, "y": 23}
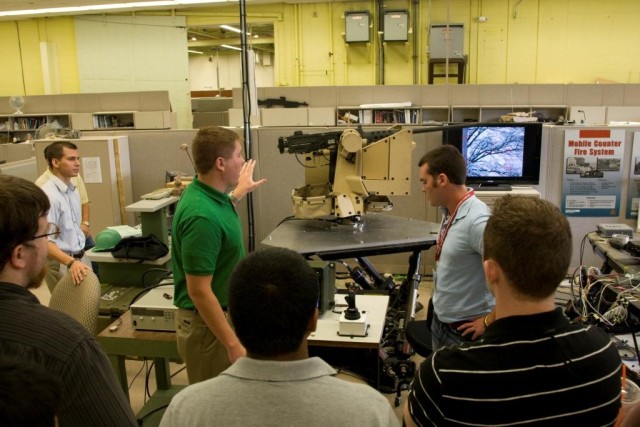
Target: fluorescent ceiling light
{"x": 234, "y": 29}
{"x": 103, "y": 7}
{"x": 230, "y": 47}
{"x": 194, "y": 51}
{"x": 230, "y": 28}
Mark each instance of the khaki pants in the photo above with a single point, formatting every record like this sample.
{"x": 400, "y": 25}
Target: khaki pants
{"x": 204, "y": 355}
{"x": 53, "y": 275}
{"x": 55, "y": 271}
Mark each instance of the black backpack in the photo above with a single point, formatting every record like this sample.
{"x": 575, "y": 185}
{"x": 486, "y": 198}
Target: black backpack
{"x": 144, "y": 248}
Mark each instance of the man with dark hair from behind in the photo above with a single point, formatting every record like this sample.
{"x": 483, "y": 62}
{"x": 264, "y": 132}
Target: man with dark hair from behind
{"x": 30, "y": 332}
{"x": 531, "y": 367}
{"x": 29, "y": 396}
{"x": 273, "y": 299}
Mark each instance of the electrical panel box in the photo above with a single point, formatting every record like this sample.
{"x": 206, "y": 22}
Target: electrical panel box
{"x": 396, "y": 25}
{"x": 446, "y": 41}
{"x": 357, "y": 26}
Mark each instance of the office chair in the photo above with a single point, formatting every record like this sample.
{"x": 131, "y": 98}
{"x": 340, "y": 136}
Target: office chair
{"x": 418, "y": 333}
{"x": 78, "y": 301}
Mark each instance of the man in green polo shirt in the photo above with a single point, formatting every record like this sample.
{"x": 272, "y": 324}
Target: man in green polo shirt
{"x": 206, "y": 246}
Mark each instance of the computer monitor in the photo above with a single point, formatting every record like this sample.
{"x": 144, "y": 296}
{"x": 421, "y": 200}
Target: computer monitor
{"x": 499, "y": 155}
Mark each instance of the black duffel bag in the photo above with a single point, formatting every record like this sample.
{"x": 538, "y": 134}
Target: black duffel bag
{"x": 144, "y": 248}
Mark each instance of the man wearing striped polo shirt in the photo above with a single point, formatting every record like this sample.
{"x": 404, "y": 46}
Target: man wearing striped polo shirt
{"x": 531, "y": 366}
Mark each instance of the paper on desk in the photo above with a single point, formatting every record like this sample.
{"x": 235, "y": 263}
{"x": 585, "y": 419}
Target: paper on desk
{"x": 126, "y": 231}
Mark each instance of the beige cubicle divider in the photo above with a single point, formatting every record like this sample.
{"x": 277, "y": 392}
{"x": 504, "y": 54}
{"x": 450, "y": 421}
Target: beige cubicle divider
{"x": 13, "y": 152}
{"x": 106, "y": 169}
{"x": 21, "y": 168}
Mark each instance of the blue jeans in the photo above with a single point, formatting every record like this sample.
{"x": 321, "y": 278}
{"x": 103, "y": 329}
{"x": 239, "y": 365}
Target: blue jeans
{"x": 444, "y": 335}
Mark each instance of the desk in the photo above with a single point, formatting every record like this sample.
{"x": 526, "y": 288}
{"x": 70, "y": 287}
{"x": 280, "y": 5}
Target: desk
{"x": 326, "y": 333}
{"x": 126, "y": 341}
{"x": 161, "y": 346}
{"x": 377, "y": 234}
{"x": 614, "y": 259}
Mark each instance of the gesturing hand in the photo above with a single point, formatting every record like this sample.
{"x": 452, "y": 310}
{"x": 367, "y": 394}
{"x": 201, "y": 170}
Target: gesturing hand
{"x": 246, "y": 184}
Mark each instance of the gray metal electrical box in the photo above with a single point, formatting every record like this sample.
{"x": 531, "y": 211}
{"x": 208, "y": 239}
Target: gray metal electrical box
{"x": 396, "y": 25}
{"x": 446, "y": 42}
{"x": 356, "y": 26}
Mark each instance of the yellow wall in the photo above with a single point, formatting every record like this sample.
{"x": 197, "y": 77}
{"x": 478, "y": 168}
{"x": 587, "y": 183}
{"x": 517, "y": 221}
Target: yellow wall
{"x": 532, "y": 41}
{"x": 11, "y": 81}
{"x": 21, "y": 72}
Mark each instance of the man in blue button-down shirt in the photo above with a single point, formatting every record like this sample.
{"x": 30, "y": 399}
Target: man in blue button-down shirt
{"x": 461, "y": 298}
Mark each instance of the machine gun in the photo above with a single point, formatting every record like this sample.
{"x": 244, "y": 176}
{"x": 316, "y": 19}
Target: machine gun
{"x": 350, "y": 172}
{"x": 281, "y": 102}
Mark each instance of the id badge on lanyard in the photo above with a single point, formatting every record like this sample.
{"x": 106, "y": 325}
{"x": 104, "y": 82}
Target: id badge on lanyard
{"x": 444, "y": 229}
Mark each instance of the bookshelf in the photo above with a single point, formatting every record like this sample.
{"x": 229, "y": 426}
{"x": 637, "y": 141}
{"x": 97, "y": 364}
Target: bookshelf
{"x": 18, "y": 127}
{"x": 374, "y": 116}
{"x": 86, "y": 112}
{"x": 494, "y": 112}
{"x": 465, "y": 113}
{"x": 435, "y": 114}
{"x": 122, "y": 120}
{"x": 551, "y": 113}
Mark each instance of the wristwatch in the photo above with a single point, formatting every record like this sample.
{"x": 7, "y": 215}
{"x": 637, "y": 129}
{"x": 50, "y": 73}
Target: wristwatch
{"x": 233, "y": 198}
{"x": 85, "y": 223}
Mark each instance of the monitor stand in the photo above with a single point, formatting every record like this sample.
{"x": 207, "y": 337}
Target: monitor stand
{"x": 491, "y": 187}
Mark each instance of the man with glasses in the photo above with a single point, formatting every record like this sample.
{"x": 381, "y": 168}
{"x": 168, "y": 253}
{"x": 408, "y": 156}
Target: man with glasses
{"x": 66, "y": 247}
{"x": 30, "y": 332}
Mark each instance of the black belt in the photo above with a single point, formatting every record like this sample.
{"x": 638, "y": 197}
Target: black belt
{"x": 78, "y": 255}
{"x": 452, "y": 325}
{"x": 456, "y": 325}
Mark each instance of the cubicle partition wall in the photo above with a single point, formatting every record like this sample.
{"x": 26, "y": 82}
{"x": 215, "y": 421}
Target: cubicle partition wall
{"x": 106, "y": 168}
{"x": 153, "y": 152}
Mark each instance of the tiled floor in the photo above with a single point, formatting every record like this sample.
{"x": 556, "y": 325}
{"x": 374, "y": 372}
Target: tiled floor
{"x": 140, "y": 387}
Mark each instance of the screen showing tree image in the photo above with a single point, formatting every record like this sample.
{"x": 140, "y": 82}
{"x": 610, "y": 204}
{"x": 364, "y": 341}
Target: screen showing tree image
{"x": 493, "y": 151}
{"x": 498, "y": 154}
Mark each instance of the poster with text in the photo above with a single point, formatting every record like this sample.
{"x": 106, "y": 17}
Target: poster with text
{"x": 592, "y": 176}
{"x": 633, "y": 189}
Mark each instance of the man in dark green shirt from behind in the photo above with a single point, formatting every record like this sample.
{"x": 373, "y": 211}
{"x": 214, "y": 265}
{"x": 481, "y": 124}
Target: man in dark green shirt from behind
{"x": 206, "y": 246}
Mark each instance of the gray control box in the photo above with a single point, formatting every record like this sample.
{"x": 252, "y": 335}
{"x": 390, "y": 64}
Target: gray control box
{"x": 446, "y": 42}
{"x": 356, "y": 26}
{"x": 396, "y": 25}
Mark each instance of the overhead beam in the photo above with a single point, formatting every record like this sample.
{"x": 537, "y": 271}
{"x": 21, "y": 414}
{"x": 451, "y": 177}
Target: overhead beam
{"x": 229, "y": 41}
